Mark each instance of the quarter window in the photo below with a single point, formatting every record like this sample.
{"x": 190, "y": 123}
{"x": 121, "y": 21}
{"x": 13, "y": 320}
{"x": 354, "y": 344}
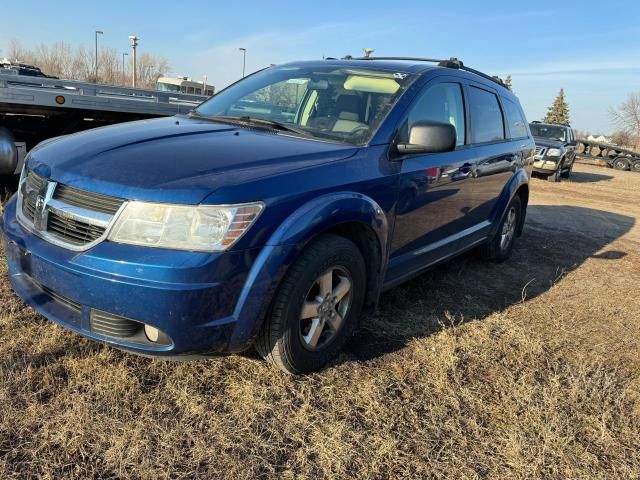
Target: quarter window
{"x": 487, "y": 124}
{"x": 441, "y": 103}
{"x": 517, "y": 124}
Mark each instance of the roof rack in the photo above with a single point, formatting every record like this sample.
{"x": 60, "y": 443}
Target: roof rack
{"x": 451, "y": 63}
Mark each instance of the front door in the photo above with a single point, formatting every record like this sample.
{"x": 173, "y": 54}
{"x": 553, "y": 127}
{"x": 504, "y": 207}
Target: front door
{"x": 435, "y": 190}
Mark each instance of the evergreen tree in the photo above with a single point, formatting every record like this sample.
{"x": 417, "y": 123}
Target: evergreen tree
{"x": 508, "y": 82}
{"x": 559, "y": 110}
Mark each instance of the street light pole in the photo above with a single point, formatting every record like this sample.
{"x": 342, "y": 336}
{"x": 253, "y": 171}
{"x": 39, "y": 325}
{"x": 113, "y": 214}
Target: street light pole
{"x": 95, "y": 80}
{"x": 134, "y": 44}
{"x": 124, "y": 54}
{"x": 244, "y": 60}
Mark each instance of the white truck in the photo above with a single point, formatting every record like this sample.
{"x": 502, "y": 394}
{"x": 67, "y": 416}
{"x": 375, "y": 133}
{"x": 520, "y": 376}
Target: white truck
{"x": 35, "y": 107}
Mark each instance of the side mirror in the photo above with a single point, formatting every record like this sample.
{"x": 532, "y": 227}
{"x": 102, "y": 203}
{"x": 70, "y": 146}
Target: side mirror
{"x": 429, "y": 137}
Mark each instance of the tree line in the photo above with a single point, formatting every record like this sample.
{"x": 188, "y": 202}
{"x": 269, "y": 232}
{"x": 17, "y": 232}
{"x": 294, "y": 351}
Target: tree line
{"x": 63, "y": 60}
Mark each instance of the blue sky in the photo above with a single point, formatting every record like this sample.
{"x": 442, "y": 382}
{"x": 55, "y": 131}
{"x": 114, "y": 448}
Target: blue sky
{"x": 589, "y": 48}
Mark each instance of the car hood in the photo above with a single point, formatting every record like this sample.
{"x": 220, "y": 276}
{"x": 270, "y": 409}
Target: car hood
{"x": 546, "y": 142}
{"x": 190, "y": 157}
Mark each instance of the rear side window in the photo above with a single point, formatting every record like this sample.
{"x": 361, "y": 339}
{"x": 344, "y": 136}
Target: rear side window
{"x": 517, "y": 124}
{"x": 487, "y": 124}
{"x": 441, "y": 103}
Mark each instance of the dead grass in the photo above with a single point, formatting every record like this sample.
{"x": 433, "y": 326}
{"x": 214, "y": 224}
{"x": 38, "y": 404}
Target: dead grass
{"x": 455, "y": 377}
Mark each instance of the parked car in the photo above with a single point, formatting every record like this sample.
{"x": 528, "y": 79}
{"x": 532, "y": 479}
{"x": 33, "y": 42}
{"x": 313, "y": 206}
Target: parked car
{"x": 555, "y": 150}
{"x": 273, "y": 213}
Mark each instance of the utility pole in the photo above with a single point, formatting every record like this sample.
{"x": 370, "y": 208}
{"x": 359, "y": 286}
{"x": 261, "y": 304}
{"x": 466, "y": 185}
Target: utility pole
{"x": 124, "y": 54}
{"x": 95, "y": 78}
{"x": 134, "y": 44}
{"x": 244, "y": 60}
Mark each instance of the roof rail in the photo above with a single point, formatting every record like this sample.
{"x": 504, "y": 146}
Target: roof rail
{"x": 451, "y": 63}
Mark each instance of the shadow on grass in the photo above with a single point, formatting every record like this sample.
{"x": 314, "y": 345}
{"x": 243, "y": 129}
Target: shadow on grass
{"x": 557, "y": 239}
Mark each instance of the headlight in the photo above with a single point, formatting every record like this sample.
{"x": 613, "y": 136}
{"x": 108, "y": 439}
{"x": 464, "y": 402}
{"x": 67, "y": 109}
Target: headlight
{"x": 553, "y": 152}
{"x": 204, "y": 228}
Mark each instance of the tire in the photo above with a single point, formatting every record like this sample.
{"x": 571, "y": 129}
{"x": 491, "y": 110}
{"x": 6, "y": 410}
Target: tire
{"x": 297, "y": 344}
{"x": 555, "y": 176}
{"x": 567, "y": 173}
{"x": 636, "y": 166}
{"x": 496, "y": 249}
{"x": 621, "y": 163}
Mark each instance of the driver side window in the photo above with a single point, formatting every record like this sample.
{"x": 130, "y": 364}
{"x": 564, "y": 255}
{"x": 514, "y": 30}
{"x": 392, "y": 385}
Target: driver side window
{"x": 441, "y": 103}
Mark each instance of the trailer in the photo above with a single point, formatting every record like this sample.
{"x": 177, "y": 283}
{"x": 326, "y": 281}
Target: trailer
{"x": 34, "y": 108}
{"x": 609, "y": 155}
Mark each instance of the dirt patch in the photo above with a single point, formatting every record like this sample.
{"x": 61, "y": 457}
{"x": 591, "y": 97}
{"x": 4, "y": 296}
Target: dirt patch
{"x": 527, "y": 369}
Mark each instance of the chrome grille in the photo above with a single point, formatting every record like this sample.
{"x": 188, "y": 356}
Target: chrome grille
{"x": 66, "y": 216}
{"x": 33, "y": 182}
{"x": 540, "y": 151}
{"x": 89, "y": 200}
{"x": 73, "y": 231}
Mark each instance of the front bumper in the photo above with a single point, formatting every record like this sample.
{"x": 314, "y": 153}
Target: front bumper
{"x": 191, "y": 297}
{"x": 545, "y": 165}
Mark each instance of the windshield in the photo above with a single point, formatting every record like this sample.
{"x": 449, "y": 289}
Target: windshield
{"x": 551, "y": 132}
{"x": 340, "y": 104}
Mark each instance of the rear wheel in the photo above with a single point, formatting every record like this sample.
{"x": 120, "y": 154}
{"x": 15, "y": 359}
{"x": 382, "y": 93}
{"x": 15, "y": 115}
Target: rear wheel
{"x": 621, "y": 163}
{"x": 636, "y": 166}
{"x": 499, "y": 248}
{"x": 316, "y": 307}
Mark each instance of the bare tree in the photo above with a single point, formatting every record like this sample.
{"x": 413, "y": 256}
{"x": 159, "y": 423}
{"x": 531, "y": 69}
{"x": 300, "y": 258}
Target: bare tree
{"x": 623, "y": 138}
{"x": 64, "y": 61}
{"x": 583, "y": 134}
{"x": 627, "y": 119}
{"x": 150, "y": 68}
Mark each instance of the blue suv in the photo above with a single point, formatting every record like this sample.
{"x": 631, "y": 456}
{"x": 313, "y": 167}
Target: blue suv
{"x": 273, "y": 213}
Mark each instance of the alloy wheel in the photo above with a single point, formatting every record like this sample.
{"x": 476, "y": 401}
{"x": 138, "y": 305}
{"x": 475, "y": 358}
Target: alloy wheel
{"x": 508, "y": 229}
{"x": 325, "y": 307}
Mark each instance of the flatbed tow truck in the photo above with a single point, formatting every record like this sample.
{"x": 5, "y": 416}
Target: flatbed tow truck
{"x": 34, "y": 108}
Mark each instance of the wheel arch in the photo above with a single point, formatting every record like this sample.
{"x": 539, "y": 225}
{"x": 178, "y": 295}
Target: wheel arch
{"x": 350, "y": 215}
{"x": 518, "y": 185}
{"x": 523, "y": 193}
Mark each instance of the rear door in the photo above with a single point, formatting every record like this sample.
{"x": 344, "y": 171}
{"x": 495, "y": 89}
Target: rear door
{"x": 495, "y": 153}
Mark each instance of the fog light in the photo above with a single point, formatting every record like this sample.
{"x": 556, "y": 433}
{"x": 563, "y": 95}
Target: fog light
{"x": 152, "y": 333}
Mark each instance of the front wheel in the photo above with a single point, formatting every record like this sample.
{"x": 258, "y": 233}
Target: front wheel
{"x": 316, "y": 307}
{"x": 499, "y": 248}
{"x": 557, "y": 175}
{"x": 567, "y": 173}
{"x": 636, "y": 166}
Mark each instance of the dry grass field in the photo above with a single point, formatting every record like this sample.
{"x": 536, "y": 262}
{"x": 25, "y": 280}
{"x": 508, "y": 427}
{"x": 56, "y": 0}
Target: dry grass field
{"x": 530, "y": 369}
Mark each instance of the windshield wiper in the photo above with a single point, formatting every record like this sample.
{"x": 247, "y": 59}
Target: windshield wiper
{"x": 244, "y": 120}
